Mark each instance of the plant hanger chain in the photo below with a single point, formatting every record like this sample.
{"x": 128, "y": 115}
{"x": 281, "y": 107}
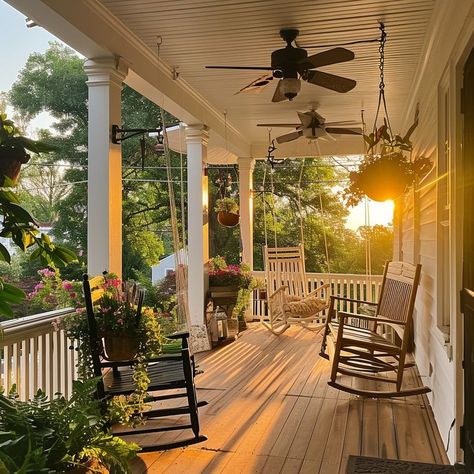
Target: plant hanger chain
{"x": 382, "y": 100}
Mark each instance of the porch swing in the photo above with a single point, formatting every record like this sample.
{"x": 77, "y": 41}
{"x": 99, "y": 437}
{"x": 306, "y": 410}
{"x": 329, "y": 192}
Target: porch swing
{"x": 288, "y": 299}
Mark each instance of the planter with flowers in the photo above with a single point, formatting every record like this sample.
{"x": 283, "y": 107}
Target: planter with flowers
{"x": 127, "y": 333}
{"x": 387, "y": 170}
{"x": 227, "y": 210}
{"x": 230, "y": 287}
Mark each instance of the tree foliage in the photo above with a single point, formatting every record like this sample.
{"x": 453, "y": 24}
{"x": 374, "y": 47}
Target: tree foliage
{"x": 55, "y": 82}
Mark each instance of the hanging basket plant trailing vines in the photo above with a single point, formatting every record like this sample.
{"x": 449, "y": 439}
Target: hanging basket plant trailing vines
{"x": 226, "y": 206}
{"x": 387, "y": 169}
{"x": 227, "y": 212}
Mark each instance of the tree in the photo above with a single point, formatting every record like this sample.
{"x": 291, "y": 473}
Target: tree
{"x": 55, "y": 82}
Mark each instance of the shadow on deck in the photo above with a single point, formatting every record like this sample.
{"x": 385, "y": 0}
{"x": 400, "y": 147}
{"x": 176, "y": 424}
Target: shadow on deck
{"x": 270, "y": 410}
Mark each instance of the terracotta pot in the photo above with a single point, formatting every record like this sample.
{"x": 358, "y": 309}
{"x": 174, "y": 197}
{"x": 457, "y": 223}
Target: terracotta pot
{"x": 11, "y": 159}
{"x": 384, "y": 180}
{"x": 227, "y": 219}
{"x": 120, "y": 346}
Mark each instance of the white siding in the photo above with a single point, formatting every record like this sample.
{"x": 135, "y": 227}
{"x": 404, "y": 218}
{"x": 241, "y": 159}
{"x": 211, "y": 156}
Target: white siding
{"x": 448, "y": 37}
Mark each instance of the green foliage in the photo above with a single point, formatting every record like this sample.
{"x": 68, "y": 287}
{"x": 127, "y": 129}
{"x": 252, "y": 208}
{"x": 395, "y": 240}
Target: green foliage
{"x": 386, "y": 153}
{"x": 46, "y": 436}
{"x": 10, "y": 136}
{"x": 52, "y": 292}
{"x": 55, "y": 82}
{"x": 19, "y": 226}
{"x": 227, "y": 204}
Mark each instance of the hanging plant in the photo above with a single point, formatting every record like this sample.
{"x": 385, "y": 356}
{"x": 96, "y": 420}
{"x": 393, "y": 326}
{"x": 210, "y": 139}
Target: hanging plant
{"x": 13, "y": 149}
{"x": 227, "y": 210}
{"x": 387, "y": 169}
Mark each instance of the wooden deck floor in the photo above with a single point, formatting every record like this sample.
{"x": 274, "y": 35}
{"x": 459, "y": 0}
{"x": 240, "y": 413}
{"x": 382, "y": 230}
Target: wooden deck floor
{"x": 271, "y": 411}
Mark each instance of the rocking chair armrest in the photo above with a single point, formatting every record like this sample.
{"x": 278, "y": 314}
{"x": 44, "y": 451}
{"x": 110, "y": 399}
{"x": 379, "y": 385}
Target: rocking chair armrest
{"x": 282, "y": 288}
{"x": 344, "y": 298}
{"x": 322, "y": 287}
{"x": 375, "y": 319}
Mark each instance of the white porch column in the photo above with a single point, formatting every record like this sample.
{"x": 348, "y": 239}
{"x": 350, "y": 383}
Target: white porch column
{"x": 104, "y": 208}
{"x": 197, "y": 138}
{"x": 246, "y": 166}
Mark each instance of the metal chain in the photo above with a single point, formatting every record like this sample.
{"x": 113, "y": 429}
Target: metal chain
{"x": 383, "y": 38}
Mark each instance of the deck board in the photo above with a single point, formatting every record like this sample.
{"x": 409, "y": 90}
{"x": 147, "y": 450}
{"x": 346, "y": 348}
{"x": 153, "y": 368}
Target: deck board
{"x": 271, "y": 411}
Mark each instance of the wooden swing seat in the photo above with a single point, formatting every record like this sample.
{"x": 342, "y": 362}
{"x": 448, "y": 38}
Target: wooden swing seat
{"x": 289, "y": 301}
{"x": 363, "y": 350}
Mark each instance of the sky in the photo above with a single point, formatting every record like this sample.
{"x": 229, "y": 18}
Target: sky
{"x": 22, "y": 41}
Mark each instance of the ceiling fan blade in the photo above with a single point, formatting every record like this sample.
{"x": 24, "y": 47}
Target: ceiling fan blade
{"x": 342, "y": 122}
{"x": 244, "y": 68}
{"x": 344, "y": 131}
{"x": 257, "y": 85}
{"x": 289, "y": 137}
{"x": 278, "y": 95}
{"x": 284, "y": 125}
{"x": 330, "y": 81}
{"x": 332, "y": 56}
{"x": 305, "y": 118}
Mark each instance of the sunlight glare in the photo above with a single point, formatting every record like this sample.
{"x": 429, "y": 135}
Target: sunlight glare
{"x": 380, "y": 213}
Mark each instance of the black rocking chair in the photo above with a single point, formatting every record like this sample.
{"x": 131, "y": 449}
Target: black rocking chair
{"x": 166, "y": 372}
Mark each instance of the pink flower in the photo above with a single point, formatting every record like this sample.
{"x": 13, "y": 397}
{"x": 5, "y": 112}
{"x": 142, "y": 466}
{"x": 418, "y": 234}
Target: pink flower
{"x": 67, "y": 285}
{"x": 39, "y": 286}
{"x": 120, "y": 321}
{"x": 47, "y": 273}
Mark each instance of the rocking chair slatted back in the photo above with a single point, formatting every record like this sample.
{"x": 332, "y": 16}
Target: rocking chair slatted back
{"x": 368, "y": 352}
{"x": 397, "y": 296}
{"x": 285, "y": 267}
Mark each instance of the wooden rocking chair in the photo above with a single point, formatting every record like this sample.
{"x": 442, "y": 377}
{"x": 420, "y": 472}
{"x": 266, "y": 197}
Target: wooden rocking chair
{"x": 166, "y": 373}
{"x": 363, "y": 351}
{"x": 288, "y": 298}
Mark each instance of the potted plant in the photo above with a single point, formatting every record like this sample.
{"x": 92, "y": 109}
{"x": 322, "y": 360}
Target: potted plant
{"x": 126, "y": 335}
{"x": 387, "y": 170}
{"x": 227, "y": 210}
{"x": 60, "y": 435}
{"x": 230, "y": 287}
{"x": 14, "y": 147}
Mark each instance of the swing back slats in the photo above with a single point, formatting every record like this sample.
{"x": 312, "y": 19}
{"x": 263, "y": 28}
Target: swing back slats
{"x": 284, "y": 266}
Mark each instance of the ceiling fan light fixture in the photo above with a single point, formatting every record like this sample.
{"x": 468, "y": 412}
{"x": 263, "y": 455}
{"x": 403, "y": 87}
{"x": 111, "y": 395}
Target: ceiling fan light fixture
{"x": 290, "y": 87}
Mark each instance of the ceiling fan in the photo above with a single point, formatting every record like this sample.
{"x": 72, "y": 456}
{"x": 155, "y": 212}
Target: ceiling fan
{"x": 313, "y": 126}
{"x": 291, "y": 64}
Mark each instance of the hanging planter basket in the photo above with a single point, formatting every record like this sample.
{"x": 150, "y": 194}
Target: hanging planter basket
{"x": 228, "y": 219}
{"x": 119, "y": 346}
{"x": 11, "y": 159}
{"x": 384, "y": 180}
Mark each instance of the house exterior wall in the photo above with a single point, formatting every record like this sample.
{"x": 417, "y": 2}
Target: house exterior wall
{"x": 420, "y": 219}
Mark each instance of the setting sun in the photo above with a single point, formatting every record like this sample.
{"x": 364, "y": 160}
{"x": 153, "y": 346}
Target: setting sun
{"x": 379, "y": 213}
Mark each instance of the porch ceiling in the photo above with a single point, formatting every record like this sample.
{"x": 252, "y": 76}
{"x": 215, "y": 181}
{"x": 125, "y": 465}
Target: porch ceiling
{"x": 196, "y": 33}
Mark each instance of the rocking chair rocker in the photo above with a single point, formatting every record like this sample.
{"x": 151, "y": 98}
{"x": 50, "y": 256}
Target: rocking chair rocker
{"x": 364, "y": 352}
{"x": 289, "y": 301}
{"x": 166, "y": 373}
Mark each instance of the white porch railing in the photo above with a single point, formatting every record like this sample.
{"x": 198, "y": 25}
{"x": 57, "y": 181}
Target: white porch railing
{"x": 35, "y": 355}
{"x": 361, "y": 287}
